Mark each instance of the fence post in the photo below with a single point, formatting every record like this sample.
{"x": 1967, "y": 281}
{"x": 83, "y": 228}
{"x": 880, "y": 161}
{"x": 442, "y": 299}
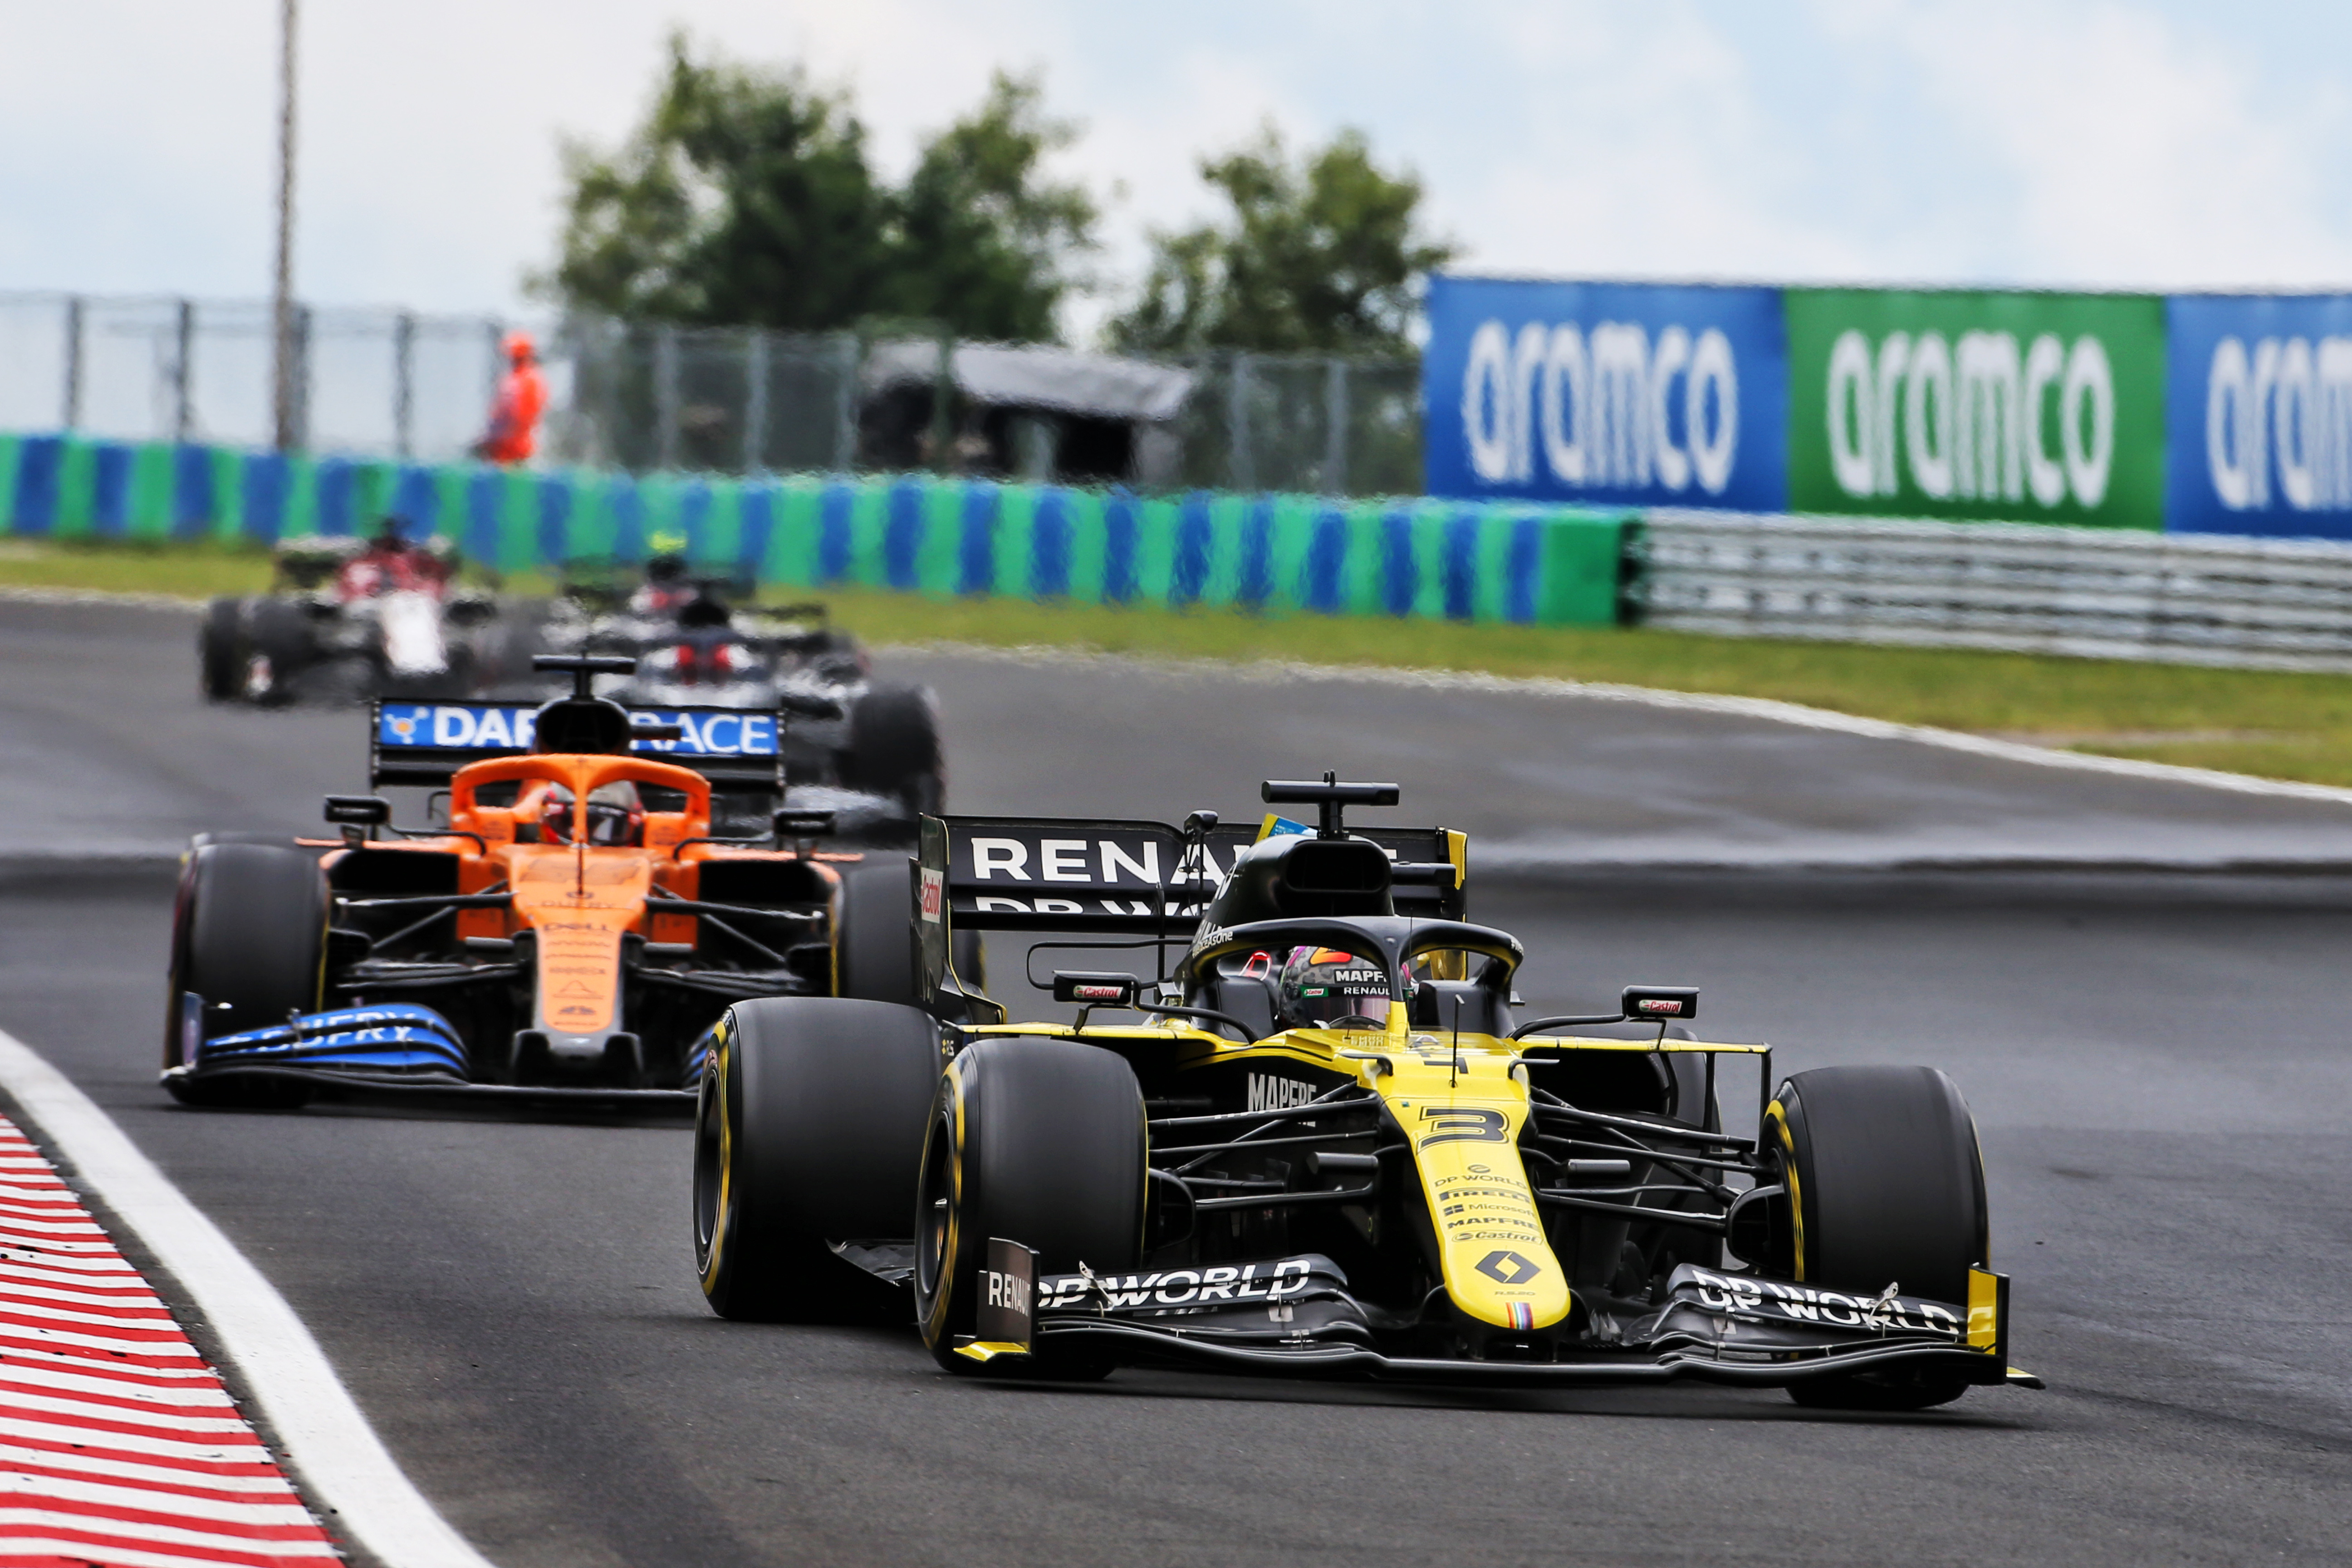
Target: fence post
{"x": 300, "y": 389}
{"x": 404, "y": 384}
{"x": 1241, "y": 470}
{"x": 1334, "y": 436}
{"x": 183, "y": 410}
{"x": 71, "y": 419}
{"x": 942, "y": 410}
{"x": 755, "y": 400}
{"x": 666, "y": 398}
{"x": 845, "y": 407}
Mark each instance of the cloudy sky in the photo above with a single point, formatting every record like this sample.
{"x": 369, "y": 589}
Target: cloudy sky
{"x": 2160, "y": 143}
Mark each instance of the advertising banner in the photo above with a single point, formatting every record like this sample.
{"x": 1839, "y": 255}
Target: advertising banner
{"x": 2259, "y": 415}
{"x": 2028, "y": 407}
{"x": 1623, "y": 394}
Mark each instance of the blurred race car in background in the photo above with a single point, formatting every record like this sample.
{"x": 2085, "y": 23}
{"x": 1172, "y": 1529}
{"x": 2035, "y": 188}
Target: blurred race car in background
{"x": 575, "y": 928}
{"x": 869, "y": 751}
{"x": 348, "y": 618}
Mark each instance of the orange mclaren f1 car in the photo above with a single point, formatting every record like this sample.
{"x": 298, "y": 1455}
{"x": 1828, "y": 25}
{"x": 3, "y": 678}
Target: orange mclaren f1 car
{"x": 575, "y": 927}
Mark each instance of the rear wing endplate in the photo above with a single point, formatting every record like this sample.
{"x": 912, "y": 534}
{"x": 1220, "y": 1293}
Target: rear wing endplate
{"x": 737, "y": 750}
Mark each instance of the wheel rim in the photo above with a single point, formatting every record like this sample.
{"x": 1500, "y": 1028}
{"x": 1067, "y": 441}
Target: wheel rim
{"x": 712, "y": 1145}
{"x": 935, "y": 1206}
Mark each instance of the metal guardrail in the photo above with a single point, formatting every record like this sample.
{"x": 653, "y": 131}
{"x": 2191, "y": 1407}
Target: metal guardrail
{"x": 2026, "y": 587}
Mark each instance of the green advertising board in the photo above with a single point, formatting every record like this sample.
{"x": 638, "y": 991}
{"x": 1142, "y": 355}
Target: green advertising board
{"x": 1952, "y": 404}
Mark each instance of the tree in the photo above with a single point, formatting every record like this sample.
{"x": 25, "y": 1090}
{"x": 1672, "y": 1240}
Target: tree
{"x": 747, "y": 198}
{"x": 1319, "y": 257}
{"x": 982, "y": 243}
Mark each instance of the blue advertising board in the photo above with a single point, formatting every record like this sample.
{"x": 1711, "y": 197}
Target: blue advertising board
{"x": 1623, "y": 394}
{"x": 2258, "y": 415}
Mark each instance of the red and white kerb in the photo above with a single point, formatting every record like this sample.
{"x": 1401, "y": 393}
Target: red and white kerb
{"x": 118, "y": 1445}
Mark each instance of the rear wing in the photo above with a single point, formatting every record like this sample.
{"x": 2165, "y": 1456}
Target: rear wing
{"x": 737, "y": 750}
{"x": 1105, "y": 875}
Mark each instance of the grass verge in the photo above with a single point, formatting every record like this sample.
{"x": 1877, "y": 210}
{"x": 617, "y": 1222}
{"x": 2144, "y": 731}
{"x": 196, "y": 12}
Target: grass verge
{"x": 2275, "y": 723}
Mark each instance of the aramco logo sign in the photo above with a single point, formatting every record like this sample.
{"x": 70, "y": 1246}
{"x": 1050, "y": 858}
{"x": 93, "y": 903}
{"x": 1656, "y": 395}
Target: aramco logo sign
{"x": 1611, "y": 408}
{"x": 1982, "y": 418}
{"x": 1606, "y": 394}
{"x": 2018, "y": 405}
{"x": 2278, "y": 423}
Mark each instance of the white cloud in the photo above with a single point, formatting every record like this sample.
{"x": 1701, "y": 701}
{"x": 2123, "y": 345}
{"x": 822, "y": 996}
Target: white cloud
{"x": 2122, "y": 148}
{"x": 2066, "y": 141}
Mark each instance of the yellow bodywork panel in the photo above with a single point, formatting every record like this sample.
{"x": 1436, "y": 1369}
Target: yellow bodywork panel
{"x": 1462, "y": 1112}
{"x": 1461, "y": 1103}
{"x": 1984, "y": 1311}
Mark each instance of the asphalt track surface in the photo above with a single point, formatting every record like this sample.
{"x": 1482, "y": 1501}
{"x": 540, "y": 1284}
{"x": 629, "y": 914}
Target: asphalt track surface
{"x": 2159, "y": 1063}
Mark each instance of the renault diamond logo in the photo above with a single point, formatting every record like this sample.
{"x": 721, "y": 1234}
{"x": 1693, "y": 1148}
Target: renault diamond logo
{"x": 1508, "y": 1268}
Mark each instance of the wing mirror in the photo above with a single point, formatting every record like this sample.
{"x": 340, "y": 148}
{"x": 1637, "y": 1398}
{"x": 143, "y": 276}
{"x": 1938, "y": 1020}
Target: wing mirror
{"x": 359, "y": 816}
{"x": 1659, "y": 1004}
{"x": 1095, "y": 990}
{"x": 1677, "y": 1003}
{"x": 793, "y": 824}
{"x": 809, "y": 705}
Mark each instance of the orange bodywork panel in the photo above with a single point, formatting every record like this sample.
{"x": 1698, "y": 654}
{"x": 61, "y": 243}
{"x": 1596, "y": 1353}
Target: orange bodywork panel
{"x": 580, "y": 900}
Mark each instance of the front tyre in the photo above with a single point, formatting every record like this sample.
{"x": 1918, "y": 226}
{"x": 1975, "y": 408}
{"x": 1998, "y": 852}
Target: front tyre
{"x": 220, "y": 650}
{"x": 249, "y": 939}
{"x": 1886, "y": 1186}
{"x": 809, "y": 1131}
{"x": 1039, "y": 1141}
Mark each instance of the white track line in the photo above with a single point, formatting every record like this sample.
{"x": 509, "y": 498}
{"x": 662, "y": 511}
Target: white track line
{"x": 1769, "y": 710}
{"x": 343, "y": 1466}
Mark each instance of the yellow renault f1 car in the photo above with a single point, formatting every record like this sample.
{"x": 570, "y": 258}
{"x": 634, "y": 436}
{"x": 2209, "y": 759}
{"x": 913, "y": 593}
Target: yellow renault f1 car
{"x": 1325, "y": 1147}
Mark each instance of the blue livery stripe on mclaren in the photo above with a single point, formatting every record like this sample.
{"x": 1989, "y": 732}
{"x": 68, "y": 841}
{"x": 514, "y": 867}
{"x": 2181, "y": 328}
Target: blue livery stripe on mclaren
{"x": 402, "y": 1039}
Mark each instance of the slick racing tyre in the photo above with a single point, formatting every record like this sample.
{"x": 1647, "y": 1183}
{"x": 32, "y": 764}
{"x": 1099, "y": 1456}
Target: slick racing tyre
{"x": 1886, "y": 1186}
{"x": 809, "y": 1131}
{"x": 249, "y": 938}
{"x": 874, "y": 940}
{"x": 1035, "y": 1141}
{"x": 873, "y": 933}
{"x": 220, "y": 650}
{"x": 280, "y": 647}
{"x": 893, "y": 747}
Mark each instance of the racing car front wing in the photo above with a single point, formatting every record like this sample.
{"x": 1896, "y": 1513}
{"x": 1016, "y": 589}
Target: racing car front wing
{"x": 1294, "y": 1317}
{"x": 392, "y": 1052}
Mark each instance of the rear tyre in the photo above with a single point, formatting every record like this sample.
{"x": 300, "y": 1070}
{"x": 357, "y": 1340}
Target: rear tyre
{"x": 1034, "y": 1141}
{"x": 282, "y": 643}
{"x": 874, "y": 933}
{"x": 809, "y": 1131}
{"x": 1887, "y": 1186}
{"x": 249, "y": 938}
{"x": 893, "y": 747}
{"x": 220, "y": 650}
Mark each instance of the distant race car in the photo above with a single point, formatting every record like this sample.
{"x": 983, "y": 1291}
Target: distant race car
{"x": 575, "y": 927}
{"x": 1328, "y": 1149}
{"x": 349, "y": 619}
{"x": 869, "y": 751}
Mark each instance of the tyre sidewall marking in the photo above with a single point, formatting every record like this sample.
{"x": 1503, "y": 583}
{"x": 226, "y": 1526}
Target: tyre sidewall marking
{"x": 937, "y": 1321}
{"x": 1776, "y": 1116}
{"x": 721, "y": 1094}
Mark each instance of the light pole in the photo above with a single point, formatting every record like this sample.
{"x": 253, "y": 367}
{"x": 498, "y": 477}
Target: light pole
{"x": 283, "y": 396}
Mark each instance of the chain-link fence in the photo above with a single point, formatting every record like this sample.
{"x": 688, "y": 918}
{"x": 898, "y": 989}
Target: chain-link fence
{"x": 642, "y": 397}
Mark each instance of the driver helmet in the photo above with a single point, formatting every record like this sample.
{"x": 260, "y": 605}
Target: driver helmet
{"x": 615, "y": 815}
{"x": 1324, "y": 988}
